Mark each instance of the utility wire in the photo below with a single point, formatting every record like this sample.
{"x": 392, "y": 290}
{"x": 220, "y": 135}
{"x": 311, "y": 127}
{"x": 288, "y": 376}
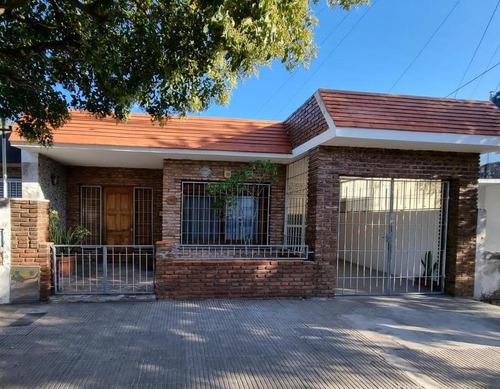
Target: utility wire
{"x": 266, "y": 103}
{"x": 487, "y": 66}
{"x": 327, "y": 58}
{"x": 477, "y": 48}
{"x": 424, "y": 47}
{"x": 474, "y": 79}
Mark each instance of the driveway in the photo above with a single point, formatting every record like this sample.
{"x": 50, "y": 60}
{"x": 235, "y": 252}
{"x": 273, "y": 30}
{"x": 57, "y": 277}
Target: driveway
{"x": 382, "y": 342}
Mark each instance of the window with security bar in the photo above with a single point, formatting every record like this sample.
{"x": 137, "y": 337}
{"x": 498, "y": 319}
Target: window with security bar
{"x": 14, "y": 188}
{"x": 296, "y": 202}
{"x": 90, "y": 208}
{"x": 143, "y": 216}
{"x": 243, "y": 220}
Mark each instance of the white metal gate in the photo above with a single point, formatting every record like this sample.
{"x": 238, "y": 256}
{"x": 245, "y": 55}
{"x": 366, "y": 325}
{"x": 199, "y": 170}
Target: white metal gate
{"x": 391, "y": 236}
{"x": 103, "y": 269}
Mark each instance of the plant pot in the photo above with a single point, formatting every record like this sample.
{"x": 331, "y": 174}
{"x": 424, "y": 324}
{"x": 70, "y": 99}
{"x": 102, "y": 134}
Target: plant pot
{"x": 66, "y": 265}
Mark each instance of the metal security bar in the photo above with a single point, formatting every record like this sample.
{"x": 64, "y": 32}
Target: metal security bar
{"x": 100, "y": 269}
{"x": 391, "y": 236}
{"x": 244, "y": 221}
{"x": 181, "y": 251}
{"x": 14, "y": 188}
{"x": 296, "y": 202}
{"x": 91, "y": 212}
{"x": 143, "y": 216}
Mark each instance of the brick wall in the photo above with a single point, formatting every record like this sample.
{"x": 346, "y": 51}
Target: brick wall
{"x": 112, "y": 177}
{"x": 176, "y": 171}
{"x": 327, "y": 164}
{"x": 29, "y": 238}
{"x": 305, "y": 123}
{"x": 232, "y": 278}
{"x": 194, "y": 279}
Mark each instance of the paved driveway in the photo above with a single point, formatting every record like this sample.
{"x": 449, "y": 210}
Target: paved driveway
{"x": 342, "y": 343}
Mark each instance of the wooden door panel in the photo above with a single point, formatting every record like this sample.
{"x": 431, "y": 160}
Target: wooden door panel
{"x": 118, "y": 216}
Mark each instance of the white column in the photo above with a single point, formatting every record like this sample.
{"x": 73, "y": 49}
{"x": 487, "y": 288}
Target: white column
{"x": 5, "y": 260}
{"x": 31, "y": 183}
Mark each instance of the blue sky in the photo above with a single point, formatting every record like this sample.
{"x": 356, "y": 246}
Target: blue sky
{"x": 371, "y": 54}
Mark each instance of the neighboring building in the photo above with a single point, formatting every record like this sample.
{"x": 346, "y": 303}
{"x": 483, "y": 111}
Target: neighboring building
{"x": 487, "y": 283}
{"x": 13, "y": 170}
{"x": 376, "y": 194}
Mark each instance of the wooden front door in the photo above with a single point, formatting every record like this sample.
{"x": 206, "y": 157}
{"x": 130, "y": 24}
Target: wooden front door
{"x": 118, "y": 221}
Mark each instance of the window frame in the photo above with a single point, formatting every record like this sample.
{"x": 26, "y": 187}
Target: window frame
{"x": 263, "y": 238}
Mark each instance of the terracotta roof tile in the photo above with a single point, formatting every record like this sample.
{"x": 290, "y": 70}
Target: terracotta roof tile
{"x": 192, "y": 132}
{"x": 411, "y": 113}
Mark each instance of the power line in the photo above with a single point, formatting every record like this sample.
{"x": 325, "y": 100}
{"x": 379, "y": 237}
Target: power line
{"x": 474, "y": 79}
{"x": 295, "y": 71}
{"x": 477, "y": 47}
{"x": 328, "y": 57}
{"x": 487, "y": 66}
{"x": 424, "y": 47}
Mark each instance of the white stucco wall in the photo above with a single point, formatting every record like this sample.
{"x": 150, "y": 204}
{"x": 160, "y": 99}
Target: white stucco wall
{"x": 5, "y": 258}
{"x": 487, "y": 278}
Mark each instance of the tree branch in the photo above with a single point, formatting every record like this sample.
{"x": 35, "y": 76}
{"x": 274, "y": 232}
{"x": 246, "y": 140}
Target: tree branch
{"x": 26, "y": 51}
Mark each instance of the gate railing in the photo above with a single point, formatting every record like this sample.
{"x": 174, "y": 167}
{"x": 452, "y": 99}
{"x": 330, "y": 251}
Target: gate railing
{"x": 264, "y": 252}
{"x": 103, "y": 269}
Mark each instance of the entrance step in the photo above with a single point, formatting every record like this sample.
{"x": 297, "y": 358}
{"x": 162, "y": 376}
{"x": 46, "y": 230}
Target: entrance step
{"x": 100, "y": 298}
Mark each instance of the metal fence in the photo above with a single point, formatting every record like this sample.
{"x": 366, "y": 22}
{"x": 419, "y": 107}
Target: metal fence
{"x": 391, "y": 236}
{"x": 103, "y": 269}
{"x": 181, "y": 251}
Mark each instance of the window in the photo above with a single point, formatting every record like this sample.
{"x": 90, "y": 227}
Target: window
{"x": 143, "y": 216}
{"x": 90, "y": 208}
{"x": 243, "y": 221}
{"x": 296, "y": 202}
{"x": 14, "y": 188}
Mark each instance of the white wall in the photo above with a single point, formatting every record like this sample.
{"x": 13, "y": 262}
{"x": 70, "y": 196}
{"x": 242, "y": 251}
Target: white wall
{"x": 487, "y": 277}
{"x": 5, "y": 264}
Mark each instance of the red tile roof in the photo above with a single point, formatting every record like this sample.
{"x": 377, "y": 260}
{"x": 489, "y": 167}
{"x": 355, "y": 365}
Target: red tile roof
{"x": 411, "y": 113}
{"x": 190, "y": 133}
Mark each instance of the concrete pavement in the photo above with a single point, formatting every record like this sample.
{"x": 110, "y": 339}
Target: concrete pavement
{"x": 376, "y": 342}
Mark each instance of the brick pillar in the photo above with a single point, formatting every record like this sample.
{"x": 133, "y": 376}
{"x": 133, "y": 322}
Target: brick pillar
{"x": 163, "y": 269}
{"x": 321, "y": 230}
{"x": 29, "y": 238}
{"x": 462, "y": 230}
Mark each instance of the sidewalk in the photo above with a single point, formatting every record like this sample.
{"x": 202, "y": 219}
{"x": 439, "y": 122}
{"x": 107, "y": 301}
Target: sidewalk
{"x": 381, "y": 342}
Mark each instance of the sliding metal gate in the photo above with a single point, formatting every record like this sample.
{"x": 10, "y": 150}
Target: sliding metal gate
{"x": 103, "y": 269}
{"x": 391, "y": 236}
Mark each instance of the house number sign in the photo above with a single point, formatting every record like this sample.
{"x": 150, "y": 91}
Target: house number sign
{"x": 205, "y": 171}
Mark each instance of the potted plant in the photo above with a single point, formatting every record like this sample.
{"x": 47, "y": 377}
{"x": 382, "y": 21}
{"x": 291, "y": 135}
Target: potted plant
{"x": 430, "y": 272}
{"x": 70, "y": 237}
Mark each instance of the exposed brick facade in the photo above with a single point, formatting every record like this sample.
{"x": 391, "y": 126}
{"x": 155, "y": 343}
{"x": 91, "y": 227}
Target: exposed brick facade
{"x": 113, "y": 177}
{"x": 176, "y": 171}
{"x": 190, "y": 279}
{"x": 305, "y": 123}
{"x": 327, "y": 164}
{"x": 29, "y": 238}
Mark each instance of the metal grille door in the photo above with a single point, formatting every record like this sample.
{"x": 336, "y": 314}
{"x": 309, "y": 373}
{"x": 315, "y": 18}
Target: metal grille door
{"x": 391, "y": 236}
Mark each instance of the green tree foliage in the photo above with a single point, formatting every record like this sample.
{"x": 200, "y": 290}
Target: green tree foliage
{"x": 168, "y": 57}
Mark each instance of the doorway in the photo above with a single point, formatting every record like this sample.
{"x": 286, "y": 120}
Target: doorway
{"x": 118, "y": 218}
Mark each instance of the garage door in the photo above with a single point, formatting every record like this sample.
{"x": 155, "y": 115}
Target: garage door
{"x": 391, "y": 236}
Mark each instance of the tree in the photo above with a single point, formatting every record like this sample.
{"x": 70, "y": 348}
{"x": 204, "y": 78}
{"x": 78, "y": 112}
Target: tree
{"x": 167, "y": 57}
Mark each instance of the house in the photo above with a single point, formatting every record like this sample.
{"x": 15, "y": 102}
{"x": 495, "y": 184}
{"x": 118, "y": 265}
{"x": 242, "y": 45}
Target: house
{"x": 13, "y": 158}
{"x": 376, "y": 194}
